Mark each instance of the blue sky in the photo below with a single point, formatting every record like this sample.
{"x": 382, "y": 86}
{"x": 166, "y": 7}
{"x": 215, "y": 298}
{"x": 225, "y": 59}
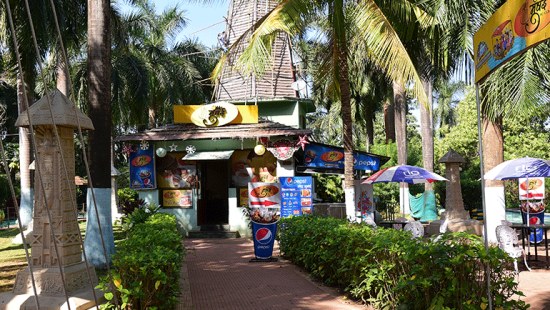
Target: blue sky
{"x": 199, "y": 16}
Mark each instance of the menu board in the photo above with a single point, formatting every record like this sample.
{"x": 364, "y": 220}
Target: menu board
{"x": 142, "y": 167}
{"x": 182, "y": 198}
{"x": 296, "y": 196}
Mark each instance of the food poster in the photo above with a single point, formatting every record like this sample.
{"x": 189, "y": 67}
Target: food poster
{"x": 364, "y": 197}
{"x": 141, "y": 168}
{"x": 247, "y": 166}
{"x": 181, "y": 198}
{"x": 320, "y": 156}
{"x": 265, "y": 197}
{"x": 173, "y": 172}
{"x": 243, "y": 196}
{"x": 535, "y": 189}
{"x": 296, "y": 196}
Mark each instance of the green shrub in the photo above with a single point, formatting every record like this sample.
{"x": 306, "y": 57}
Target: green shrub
{"x": 147, "y": 266}
{"x": 386, "y": 269}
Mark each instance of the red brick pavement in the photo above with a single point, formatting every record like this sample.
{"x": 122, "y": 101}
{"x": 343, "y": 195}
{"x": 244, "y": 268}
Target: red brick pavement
{"x": 218, "y": 275}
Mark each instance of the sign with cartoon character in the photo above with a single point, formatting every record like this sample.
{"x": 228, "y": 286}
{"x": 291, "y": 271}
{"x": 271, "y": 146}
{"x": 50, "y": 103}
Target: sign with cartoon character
{"x": 516, "y": 26}
{"x": 364, "y": 197}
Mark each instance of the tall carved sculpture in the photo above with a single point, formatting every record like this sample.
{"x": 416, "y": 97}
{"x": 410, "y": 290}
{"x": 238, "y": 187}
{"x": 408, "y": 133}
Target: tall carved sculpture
{"x": 55, "y": 240}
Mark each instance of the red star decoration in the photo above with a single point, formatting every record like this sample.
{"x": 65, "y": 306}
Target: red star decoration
{"x": 302, "y": 142}
{"x": 128, "y": 149}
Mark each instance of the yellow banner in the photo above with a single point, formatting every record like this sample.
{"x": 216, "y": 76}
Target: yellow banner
{"x": 513, "y": 28}
{"x": 247, "y": 114}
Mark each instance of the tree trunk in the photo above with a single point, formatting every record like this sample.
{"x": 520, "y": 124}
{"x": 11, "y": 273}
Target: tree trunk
{"x": 389, "y": 122}
{"x": 427, "y": 132}
{"x": 400, "y": 108}
{"x": 99, "y": 150}
{"x": 369, "y": 122}
{"x": 63, "y": 81}
{"x": 25, "y": 152}
{"x": 493, "y": 151}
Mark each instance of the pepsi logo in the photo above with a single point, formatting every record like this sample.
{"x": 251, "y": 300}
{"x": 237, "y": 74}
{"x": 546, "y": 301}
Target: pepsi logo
{"x": 263, "y": 235}
{"x": 288, "y": 180}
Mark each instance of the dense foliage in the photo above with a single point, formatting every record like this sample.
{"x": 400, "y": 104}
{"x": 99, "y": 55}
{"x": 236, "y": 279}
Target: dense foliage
{"x": 386, "y": 269}
{"x": 147, "y": 265}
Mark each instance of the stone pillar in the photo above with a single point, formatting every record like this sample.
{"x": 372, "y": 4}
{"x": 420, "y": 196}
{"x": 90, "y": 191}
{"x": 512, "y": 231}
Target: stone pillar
{"x": 458, "y": 218}
{"x": 55, "y": 238}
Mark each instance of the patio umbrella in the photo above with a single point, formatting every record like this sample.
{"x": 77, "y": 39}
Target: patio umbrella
{"x": 404, "y": 173}
{"x": 525, "y": 167}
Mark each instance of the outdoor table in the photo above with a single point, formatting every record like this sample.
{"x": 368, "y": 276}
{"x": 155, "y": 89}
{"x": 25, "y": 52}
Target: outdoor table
{"x": 389, "y": 224}
{"x": 526, "y": 232}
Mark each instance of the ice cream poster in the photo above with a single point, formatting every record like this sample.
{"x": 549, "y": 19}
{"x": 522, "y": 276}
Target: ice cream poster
{"x": 296, "y": 196}
{"x": 142, "y": 167}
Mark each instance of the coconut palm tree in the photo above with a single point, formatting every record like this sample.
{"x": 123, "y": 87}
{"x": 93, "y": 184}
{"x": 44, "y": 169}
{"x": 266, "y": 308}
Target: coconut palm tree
{"x": 447, "y": 97}
{"x": 99, "y": 141}
{"x": 376, "y": 37}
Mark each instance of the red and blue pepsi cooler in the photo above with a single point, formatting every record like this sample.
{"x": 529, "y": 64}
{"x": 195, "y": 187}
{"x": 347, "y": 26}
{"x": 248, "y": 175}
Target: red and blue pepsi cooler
{"x": 264, "y": 239}
{"x": 535, "y": 219}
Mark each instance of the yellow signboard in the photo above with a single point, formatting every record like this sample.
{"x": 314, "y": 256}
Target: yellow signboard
{"x": 247, "y": 114}
{"x": 514, "y": 27}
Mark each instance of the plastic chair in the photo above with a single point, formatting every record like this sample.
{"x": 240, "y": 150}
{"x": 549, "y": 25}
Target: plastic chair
{"x": 507, "y": 239}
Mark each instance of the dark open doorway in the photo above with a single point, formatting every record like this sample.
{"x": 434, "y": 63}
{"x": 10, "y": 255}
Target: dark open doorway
{"x": 213, "y": 207}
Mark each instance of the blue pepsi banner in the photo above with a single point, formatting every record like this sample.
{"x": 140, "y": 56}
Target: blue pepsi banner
{"x": 320, "y": 156}
{"x": 296, "y": 196}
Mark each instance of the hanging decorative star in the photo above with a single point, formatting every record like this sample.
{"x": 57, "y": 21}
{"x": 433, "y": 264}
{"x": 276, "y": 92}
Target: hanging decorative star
{"x": 144, "y": 145}
{"x": 173, "y": 147}
{"x": 190, "y": 149}
{"x": 302, "y": 142}
{"x": 128, "y": 149}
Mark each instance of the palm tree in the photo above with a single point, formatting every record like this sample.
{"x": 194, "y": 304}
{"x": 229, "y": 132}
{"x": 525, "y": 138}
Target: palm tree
{"x": 376, "y": 38}
{"x": 447, "y": 96}
{"x": 99, "y": 141}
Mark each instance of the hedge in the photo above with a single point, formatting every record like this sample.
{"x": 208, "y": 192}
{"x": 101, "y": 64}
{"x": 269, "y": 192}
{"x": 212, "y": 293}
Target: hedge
{"x": 387, "y": 269}
{"x": 147, "y": 266}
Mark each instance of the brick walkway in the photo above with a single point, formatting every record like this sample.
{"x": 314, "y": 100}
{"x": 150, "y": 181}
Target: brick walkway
{"x": 218, "y": 275}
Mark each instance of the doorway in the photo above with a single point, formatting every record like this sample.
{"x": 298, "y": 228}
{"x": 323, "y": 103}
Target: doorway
{"x": 213, "y": 206}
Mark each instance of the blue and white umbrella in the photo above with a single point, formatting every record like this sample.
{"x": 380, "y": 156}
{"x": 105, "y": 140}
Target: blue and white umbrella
{"x": 526, "y": 167}
{"x": 404, "y": 173}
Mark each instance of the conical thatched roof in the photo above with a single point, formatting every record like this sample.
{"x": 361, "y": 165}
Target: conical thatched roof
{"x": 63, "y": 112}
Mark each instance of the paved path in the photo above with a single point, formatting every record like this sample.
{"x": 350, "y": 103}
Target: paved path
{"x": 218, "y": 275}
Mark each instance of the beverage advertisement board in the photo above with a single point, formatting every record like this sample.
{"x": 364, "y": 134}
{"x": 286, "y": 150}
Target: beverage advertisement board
{"x": 142, "y": 167}
{"x": 320, "y": 156}
{"x": 296, "y": 196}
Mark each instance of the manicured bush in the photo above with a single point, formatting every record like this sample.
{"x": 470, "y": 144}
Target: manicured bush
{"x": 147, "y": 266}
{"x": 387, "y": 269}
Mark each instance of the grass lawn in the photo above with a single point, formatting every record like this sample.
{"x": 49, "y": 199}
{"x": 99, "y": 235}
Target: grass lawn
{"x": 13, "y": 260}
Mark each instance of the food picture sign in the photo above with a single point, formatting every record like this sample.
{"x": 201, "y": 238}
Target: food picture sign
{"x": 264, "y": 201}
{"x": 320, "y": 156}
{"x": 296, "y": 196}
{"x": 177, "y": 198}
{"x": 532, "y": 188}
{"x": 142, "y": 168}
